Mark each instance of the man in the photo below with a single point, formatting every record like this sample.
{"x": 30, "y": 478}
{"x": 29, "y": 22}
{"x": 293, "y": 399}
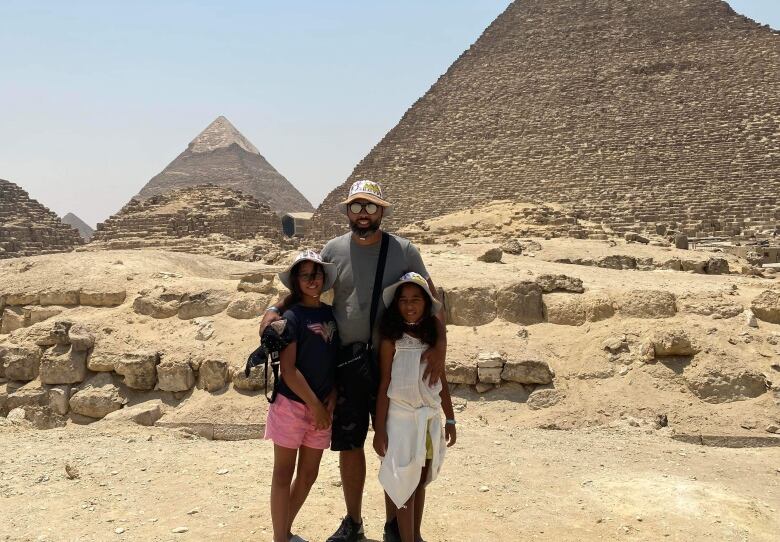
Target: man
{"x": 356, "y": 255}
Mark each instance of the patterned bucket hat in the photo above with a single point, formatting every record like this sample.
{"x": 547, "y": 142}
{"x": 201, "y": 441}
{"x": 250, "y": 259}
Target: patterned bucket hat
{"x": 369, "y": 191}
{"x": 415, "y": 278}
{"x": 310, "y": 256}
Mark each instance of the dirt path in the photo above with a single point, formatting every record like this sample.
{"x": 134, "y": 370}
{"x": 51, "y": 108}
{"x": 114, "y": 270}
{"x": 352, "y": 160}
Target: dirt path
{"x": 498, "y": 483}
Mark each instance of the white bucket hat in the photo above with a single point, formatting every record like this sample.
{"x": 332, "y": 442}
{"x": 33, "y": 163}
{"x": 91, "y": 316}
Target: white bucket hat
{"x": 415, "y": 278}
{"x": 369, "y": 191}
{"x": 310, "y": 256}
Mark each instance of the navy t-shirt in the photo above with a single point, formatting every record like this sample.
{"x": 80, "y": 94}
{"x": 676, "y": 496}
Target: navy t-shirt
{"x": 314, "y": 332}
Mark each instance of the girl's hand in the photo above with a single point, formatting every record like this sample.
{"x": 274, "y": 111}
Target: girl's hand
{"x": 451, "y": 434}
{"x": 322, "y": 419}
{"x": 380, "y": 443}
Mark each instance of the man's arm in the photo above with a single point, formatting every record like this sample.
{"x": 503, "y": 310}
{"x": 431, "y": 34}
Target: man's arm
{"x": 436, "y": 356}
{"x": 272, "y": 315}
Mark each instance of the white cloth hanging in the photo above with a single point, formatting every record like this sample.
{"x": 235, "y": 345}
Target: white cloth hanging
{"x": 414, "y": 413}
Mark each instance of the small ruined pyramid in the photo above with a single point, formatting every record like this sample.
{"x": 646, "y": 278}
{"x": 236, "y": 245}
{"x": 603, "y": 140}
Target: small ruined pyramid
{"x": 220, "y": 155}
{"x": 82, "y": 227}
{"x": 27, "y": 228}
{"x": 637, "y": 113}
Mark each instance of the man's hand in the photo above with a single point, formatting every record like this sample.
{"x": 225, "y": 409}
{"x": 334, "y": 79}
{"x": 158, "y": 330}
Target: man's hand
{"x": 268, "y": 317}
{"x": 434, "y": 371}
{"x": 330, "y": 403}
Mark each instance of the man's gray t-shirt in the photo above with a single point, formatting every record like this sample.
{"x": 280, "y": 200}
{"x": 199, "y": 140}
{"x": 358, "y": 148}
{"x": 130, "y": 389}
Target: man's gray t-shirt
{"x": 356, "y": 265}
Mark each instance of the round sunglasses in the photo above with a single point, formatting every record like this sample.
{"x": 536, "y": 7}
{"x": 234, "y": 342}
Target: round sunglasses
{"x": 369, "y": 208}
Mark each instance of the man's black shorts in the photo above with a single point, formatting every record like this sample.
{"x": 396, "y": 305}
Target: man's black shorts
{"x": 356, "y": 403}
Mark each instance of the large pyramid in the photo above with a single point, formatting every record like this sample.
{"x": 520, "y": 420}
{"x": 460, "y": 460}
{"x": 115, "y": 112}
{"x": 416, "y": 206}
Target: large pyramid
{"x": 635, "y": 111}
{"x": 27, "y": 228}
{"x": 221, "y": 155}
{"x": 82, "y": 227}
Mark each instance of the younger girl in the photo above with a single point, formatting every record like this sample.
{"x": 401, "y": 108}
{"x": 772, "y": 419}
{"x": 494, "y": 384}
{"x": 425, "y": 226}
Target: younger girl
{"x": 408, "y": 429}
{"x": 299, "y": 419}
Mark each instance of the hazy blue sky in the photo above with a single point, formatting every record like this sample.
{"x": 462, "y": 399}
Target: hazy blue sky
{"x": 96, "y": 97}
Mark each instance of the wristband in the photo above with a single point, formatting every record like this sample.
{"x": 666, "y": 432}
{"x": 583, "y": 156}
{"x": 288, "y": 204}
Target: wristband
{"x": 274, "y": 309}
{"x": 450, "y": 422}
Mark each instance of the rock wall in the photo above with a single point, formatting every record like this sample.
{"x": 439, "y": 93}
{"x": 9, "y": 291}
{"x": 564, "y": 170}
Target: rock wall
{"x": 635, "y": 112}
{"x": 27, "y": 228}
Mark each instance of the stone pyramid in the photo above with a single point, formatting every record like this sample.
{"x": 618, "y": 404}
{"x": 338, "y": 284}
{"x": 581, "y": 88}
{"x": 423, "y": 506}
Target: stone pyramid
{"x": 79, "y": 225}
{"x": 27, "y": 228}
{"x": 221, "y": 155}
{"x": 636, "y": 112}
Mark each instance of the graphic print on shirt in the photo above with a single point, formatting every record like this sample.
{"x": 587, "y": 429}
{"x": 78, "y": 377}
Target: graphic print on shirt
{"x": 326, "y": 330}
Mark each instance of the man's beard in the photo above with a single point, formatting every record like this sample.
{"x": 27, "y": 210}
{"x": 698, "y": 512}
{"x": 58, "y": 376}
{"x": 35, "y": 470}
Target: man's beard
{"x": 365, "y": 232}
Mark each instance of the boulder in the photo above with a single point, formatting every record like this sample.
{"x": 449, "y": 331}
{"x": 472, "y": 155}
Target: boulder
{"x": 461, "y": 372}
{"x": 248, "y": 307}
{"x": 530, "y": 370}
{"x": 175, "y": 375}
{"x": 59, "y": 297}
{"x": 81, "y": 338}
{"x": 489, "y": 367}
{"x": 205, "y": 328}
{"x": 146, "y": 413}
{"x": 521, "y": 303}
{"x": 58, "y": 399}
{"x": 673, "y": 264}
{"x": 715, "y": 305}
{"x": 512, "y": 246}
{"x": 723, "y": 384}
{"x": 20, "y": 362}
{"x": 529, "y": 245}
{"x": 633, "y": 237}
{"x": 681, "y": 241}
{"x": 97, "y": 398}
{"x": 597, "y": 307}
{"x": 564, "y": 310}
{"x": 138, "y": 368}
{"x": 31, "y": 394}
{"x": 492, "y": 255}
{"x": 103, "y": 298}
{"x": 543, "y": 398}
{"x": 647, "y": 304}
{"x": 766, "y": 306}
{"x": 694, "y": 266}
{"x": 206, "y": 303}
{"x": 213, "y": 374}
{"x": 552, "y": 283}
{"x": 160, "y": 302}
{"x": 101, "y": 361}
{"x": 41, "y": 314}
{"x": 13, "y": 318}
{"x": 51, "y": 334}
{"x": 472, "y": 306}
{"x": 63, "y": 365}
{"x": 717, "y": 266}
{"x": 674, "y": 343}
{"x": 254, "y": 382}
{"x": 22, "y": 298}
{"x": 259, "y": 284}
{"x": 617, "y": 261}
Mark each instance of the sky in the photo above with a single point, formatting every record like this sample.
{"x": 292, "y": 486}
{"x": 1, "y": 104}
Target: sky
{"x": 97, "y": 97}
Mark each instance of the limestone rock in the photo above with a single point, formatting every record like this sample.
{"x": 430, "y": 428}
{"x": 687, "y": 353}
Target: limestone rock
{"x": 521, "y": 303}
{"x": 633, "y": 237}
{"x": 544, "y": 398}
{"x": 102, "y": 298}
{"x": 715, "y": 305}
{"x": 750, "y": 319}
{"x": 717, "y": 266}
{"x": 674, "y": 343}
{"x": 617, "y": 261}
{"x": 51, "y": 334}
{"x": 647, "y": 304}
{"x": 13, "y": 318}
{"x": 527, "y": 371}
{"x": 681, "y": 241}
{"x": 766, "y": 306}
{"x": 205, "y": 328}
{"x": 97, "y": 398}
{"x": 472, "y": 306}
{"x": 248, "y": 307}
{"x": 20, "y": 362}
{"x": 59, "y": 297}
{"x": 489, "y": 367}
{"x": 552, "y": 283}
{"x": 492, "y": 255}
{"x": 213, "y": 374}
{"x": 512, "y": 246}
{"x": 694, "y": 266}
{"x": 146, "y": 413}
{"x": 723, "y": 384}
{"x": 31, "y": 394}
{"x": 175, "y": 375}
{"x": 461, "y": 372}
{"x": 138, "y": 368}
{"x": 41, "y": 314}
{"x": 206, "y": 303}
{"x": 63, "y": 365}
{"x": 22, "y": 298}
{"x": 160, "y": 302}
{"x": 255, "y": 381}
{"x": 81, "y": 338}
{"x": 259, "y": 283}
{"x": 58, "y": 399}
{"x": 564, "y": 310}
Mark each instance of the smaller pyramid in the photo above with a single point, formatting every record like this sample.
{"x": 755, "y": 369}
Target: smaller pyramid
{"x": 28, "y": 228}
{"x": 82, "y": 227}
{"x": 222, "y": 156}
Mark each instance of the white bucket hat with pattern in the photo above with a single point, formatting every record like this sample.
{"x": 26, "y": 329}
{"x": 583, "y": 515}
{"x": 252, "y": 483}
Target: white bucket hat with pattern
{"x": 388, "y": 295}
{"x": 369, "y": 191}
{"x": 310, "y": 256}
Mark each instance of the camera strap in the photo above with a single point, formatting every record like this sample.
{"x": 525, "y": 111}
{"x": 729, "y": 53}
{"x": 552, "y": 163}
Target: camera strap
{"x": 377, "y": 291}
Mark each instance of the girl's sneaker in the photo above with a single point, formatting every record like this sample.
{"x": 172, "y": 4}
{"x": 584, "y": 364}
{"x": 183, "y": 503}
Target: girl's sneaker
{"x": 348, "y": 531}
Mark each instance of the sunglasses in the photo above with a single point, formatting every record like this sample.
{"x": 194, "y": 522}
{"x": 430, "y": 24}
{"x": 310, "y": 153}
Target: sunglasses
{"x": 311, "y": 277}
{"x": 369, "y": 208}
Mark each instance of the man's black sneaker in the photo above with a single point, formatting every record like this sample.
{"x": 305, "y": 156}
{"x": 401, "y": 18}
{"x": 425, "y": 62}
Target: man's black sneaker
{"x": 348, "y": 531}
{"x": 392, "y": 534}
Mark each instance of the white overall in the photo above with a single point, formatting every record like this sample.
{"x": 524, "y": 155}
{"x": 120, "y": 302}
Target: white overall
{"x": 415, "y": 411}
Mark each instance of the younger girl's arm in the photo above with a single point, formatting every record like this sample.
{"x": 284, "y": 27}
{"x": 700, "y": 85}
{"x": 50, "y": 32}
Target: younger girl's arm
{"x": 446, "y": 405}
{"x": 386, "y": 353}
{"x": 297, "y": 383}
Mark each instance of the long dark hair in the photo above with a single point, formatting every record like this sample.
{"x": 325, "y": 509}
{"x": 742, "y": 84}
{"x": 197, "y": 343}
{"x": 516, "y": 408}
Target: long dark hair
{"x": 295, "y": 288}
{"x": 392, "y": 325}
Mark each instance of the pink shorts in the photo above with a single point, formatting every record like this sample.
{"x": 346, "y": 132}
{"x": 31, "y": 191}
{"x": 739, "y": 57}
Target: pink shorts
{"x": 290, "y": 424}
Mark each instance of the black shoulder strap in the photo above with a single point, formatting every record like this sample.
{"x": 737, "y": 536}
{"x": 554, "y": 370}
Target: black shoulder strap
{"x": 380, "y": 273}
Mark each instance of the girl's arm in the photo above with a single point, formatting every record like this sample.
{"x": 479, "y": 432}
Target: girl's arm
{"x": 386, "y": 353}
{"x": 446, "y": 405}
{"x": 297, "y": 383}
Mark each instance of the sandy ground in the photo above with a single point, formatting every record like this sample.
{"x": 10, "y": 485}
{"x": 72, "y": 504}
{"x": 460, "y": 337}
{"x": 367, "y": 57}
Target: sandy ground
{"x": 499, "y": 482}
